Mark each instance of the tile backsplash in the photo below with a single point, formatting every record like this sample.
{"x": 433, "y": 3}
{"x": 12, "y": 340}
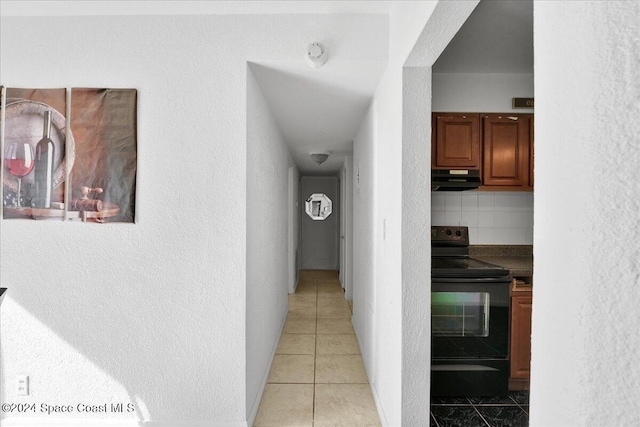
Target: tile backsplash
{"x": 493, "y": 217}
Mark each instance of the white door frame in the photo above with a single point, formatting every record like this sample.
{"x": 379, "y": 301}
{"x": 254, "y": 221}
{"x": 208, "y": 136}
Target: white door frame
{"x": 292, "y": 237}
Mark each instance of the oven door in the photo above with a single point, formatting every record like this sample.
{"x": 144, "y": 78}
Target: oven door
{"x": 470, "y": 318}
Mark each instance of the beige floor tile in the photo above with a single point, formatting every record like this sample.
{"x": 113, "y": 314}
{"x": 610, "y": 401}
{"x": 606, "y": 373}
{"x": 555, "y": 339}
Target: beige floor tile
{"x": 330, "y": 300}
{"x": 292, "y": 369}
{"x": 340, "y": 369}
{"x": 328, "y": 280}
{"x": 297, "y": 344}
{"x": 302, "y": 300}
{"x": 302, "y": 312}
{"x": 344, "y": 405}
{"x": 330, "y": 290}
{"x": 327, "y": 274}
{"x": 299, "y": 326}
{"x": 308, "y": 274}
{"x": 341, "y": 311}
{"x": 337, "y": 344}
{"x": 333, "y": 326}
{"x": 306, "y": 289}
{"x": 286, "y": 405}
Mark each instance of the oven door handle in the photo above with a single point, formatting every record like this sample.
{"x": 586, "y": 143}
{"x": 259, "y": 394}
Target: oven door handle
{"x": 505, "y": 279}
{"x": 462, "y": 368}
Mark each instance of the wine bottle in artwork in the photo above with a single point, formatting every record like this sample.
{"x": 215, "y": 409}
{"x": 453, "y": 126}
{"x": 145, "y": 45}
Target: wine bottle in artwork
{"x": 43, "y": 168}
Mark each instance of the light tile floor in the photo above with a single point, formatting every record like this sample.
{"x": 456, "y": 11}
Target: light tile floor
{"x": 317, "y": 378}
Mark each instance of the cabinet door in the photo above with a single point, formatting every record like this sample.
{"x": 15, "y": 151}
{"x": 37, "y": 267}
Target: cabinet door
{"x": 506, "y": 150}
{"x": 520, "y": 336}
{"x": 531, "y": 128}
{"x": 457, "y": 141}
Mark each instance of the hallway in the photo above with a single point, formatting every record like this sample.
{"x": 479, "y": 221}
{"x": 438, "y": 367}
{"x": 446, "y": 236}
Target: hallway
{"x": 317, "y": 377}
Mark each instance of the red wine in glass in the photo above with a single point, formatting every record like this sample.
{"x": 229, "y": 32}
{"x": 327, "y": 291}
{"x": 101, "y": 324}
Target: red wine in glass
{"x": 19, "y": 161}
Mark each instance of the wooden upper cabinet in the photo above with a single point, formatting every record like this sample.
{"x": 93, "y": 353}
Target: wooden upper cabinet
{"x": 456, "y": 141}
{"x": 506, "y": 149}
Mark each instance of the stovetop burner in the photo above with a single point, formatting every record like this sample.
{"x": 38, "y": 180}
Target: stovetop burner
{"x": 450, "y": 255}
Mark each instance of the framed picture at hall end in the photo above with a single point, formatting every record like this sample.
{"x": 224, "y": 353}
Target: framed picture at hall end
{"x": 69, "y": 154}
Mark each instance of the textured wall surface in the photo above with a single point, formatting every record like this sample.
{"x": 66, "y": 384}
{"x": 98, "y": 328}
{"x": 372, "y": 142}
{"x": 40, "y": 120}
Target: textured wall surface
{"x": 586, "y": 237}
{"x": 416, "y": 246}
{"x": 152, "y": 313}
{"x": 414, "y": 297}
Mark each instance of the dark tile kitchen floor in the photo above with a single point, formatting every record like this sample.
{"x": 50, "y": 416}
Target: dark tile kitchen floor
{"x": 508, "y": 411}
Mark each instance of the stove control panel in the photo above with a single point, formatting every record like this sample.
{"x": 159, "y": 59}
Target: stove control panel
{"x": 449, "y": 236}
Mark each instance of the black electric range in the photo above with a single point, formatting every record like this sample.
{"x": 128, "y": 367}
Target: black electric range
{"x": 469, "y": 319}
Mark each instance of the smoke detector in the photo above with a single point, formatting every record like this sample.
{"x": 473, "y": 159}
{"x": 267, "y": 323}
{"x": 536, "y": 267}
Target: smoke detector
{"x": 316, "y": 55}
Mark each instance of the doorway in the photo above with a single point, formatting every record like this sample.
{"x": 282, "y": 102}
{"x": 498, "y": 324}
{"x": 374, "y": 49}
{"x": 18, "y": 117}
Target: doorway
{"x": 319, "y": 225}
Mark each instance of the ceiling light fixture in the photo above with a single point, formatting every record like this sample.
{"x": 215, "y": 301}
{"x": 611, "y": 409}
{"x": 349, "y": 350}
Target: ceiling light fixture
{"x": 320, "y": 156}
{"x": 316, "y": 55}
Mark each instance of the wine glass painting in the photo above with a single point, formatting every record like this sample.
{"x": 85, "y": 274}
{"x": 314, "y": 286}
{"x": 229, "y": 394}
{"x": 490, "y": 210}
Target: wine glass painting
{"x": 77, "y": 166}
{"x": 18, "y": 161}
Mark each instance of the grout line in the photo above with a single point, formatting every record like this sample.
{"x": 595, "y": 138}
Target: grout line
{"x": 434, "y": 419}
{"x": 478, "y": 412}
{"x": 315, "y": 360}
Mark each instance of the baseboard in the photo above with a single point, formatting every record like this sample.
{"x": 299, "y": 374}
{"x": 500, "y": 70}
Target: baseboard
{"x": 372, "y": 385}
{"x": 256, "y": 403}
{"x": 28, "y": 422}
{"x": 376, "y": 399}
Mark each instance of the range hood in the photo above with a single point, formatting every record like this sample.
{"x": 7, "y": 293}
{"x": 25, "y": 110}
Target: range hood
{"x": 454, "y": 179}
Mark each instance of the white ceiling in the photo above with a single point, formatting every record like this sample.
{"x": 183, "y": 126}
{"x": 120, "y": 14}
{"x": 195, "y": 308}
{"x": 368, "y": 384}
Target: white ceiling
{"x": 191, "y": 7}
{"x": 497, "y": 38}
{"x": 322, "y": 108}
{"x": 319, "y": 108}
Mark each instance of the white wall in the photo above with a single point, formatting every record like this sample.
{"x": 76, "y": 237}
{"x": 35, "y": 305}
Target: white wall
{"x": 493, "y": 217}
{"x": 156, "y": 307}
{"x": 381, "y": 228}
{"x": 268, "y": 163}
{"x": 480, "y": 93}
{"x": 443, "y": 23}
{"x": 585, "y": 343}
{"x": 152, "y": 313}
{"x": 363, "y": 236}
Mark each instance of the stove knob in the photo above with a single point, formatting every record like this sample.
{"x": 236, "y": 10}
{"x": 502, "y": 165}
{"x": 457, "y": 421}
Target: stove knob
{"x": 458, "y": 233}
{"x": 448, "y": 232}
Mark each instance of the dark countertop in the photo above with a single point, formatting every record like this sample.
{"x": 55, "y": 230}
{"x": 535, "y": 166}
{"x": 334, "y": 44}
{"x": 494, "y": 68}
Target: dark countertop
{"x": 518, "y": 266}
{"x": 517, "y": 258}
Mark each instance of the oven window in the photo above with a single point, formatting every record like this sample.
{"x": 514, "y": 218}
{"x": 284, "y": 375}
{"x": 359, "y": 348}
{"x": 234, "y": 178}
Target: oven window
{"x": 460, "y": 314}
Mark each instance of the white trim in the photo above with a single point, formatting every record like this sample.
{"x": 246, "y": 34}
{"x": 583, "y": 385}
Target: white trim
{"x": 291, "y": 239}
{"x": 44, "y": 422}
{"x": 256, "y": 403}
{"x": 376, "y": 399}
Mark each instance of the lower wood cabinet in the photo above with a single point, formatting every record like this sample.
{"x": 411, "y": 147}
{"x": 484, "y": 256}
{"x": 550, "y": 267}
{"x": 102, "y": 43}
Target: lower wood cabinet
{"x": 520, "y": 341}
